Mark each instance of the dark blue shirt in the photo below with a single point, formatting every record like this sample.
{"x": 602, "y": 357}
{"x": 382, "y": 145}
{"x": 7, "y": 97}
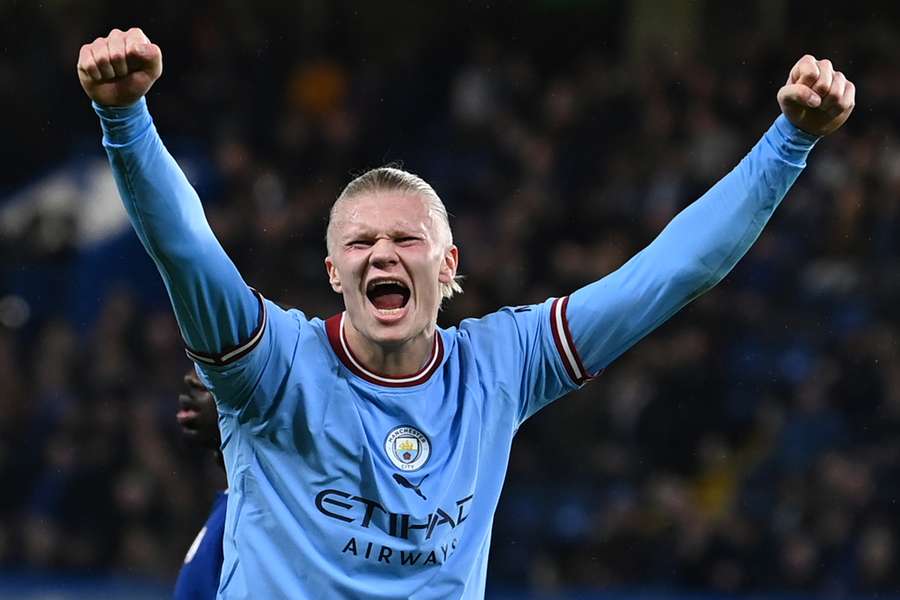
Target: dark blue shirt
{"x": 199, "y": 576}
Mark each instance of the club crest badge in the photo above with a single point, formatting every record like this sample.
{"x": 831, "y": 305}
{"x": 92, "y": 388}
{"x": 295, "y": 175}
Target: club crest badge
{"x": 407, "y": 448}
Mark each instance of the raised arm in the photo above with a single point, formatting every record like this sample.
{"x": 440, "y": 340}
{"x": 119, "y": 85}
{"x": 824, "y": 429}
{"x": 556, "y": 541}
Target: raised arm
{"x": 219, "y": 316}
{"x": 703, "y": 242}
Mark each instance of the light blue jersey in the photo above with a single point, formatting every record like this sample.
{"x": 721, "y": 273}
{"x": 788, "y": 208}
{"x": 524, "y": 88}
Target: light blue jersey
{"x": 345, "y": 483}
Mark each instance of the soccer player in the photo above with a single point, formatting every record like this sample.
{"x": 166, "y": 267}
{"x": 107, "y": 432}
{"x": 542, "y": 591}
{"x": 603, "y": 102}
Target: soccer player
{"x": 366, "y": 452}
{"x": 202, "y": 568}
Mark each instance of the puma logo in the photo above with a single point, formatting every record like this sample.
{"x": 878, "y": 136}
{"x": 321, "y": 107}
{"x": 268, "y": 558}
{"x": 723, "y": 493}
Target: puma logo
{"x": 410, "y": 485}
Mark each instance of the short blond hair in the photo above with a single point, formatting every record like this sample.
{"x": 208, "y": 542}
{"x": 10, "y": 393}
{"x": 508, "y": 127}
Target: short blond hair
{"x": 394, "y": 179}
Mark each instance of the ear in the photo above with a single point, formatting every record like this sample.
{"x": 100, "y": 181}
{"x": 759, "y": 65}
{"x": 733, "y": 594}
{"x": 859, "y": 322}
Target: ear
{"x": 333, "y": 278}
{"x": 449, "y": 265}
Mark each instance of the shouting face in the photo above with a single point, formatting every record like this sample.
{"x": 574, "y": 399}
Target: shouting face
{"x": 388, "y": 257}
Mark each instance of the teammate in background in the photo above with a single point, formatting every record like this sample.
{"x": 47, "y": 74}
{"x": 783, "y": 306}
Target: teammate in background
{"x": 366, "y": 452}
{"x": 202, "y": 568}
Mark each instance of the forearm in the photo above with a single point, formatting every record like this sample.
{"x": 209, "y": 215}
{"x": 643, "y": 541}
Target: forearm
{"x": 214, "y": 308}
{"x": 692, "y": 254}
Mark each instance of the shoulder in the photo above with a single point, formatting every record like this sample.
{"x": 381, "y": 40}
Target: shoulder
{"x": 291, "y": 340}
{"x": 508, "y": 321}
{"x": 509, "y": 334}
{"x": 293, "y": 322}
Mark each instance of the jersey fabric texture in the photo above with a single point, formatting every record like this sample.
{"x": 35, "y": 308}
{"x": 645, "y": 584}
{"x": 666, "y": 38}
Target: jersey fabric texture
{"x": 345, "y": 483}
{"x": 200, "y": 573}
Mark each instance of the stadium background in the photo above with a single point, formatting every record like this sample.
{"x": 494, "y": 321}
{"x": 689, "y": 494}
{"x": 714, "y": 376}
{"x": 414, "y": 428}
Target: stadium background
{"x": 750, "y": 446}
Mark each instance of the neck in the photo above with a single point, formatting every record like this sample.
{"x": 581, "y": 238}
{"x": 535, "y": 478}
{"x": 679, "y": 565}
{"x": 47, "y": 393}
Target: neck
{"x": 392, "y": 360}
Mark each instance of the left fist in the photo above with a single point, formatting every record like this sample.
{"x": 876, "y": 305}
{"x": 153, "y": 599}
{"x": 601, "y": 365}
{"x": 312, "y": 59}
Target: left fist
{"x": 816, "y": 98}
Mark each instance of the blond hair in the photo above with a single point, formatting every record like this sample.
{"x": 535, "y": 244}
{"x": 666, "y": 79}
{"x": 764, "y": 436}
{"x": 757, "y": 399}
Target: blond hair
{"x": 393, "y": 179}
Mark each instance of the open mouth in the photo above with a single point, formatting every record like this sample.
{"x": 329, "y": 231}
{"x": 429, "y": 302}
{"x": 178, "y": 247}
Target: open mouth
{"x": 387, "y": 294}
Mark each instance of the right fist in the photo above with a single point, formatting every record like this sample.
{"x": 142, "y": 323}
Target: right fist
{"x": 119, "y": 69}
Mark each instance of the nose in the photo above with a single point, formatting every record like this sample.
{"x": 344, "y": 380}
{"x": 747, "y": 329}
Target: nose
{"x": 384, "y": 254}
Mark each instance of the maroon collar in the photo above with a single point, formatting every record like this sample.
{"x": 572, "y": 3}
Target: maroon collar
{"x": 334, "y": 327}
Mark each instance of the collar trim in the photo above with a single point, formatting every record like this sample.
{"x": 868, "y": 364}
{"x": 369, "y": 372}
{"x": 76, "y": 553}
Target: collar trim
{"x": 334, "y": 327}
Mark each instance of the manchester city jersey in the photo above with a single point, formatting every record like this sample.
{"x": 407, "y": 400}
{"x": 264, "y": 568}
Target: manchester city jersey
{"x": 345, "y": 483}
{"x": 375, "y": 486}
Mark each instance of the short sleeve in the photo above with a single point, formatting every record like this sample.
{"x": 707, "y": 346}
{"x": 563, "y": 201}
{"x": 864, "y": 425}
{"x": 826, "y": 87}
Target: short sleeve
{"x": 248, "y": 381}
{"x": 528, "y": 353}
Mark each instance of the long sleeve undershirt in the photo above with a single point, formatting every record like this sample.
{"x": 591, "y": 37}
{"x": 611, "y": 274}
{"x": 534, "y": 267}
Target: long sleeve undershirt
{"x": 216, "y": 310}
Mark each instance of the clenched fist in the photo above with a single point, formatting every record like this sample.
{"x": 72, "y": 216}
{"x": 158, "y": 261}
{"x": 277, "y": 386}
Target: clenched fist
{"x": 816, "y": 98}
{"x": 119, "y": 69}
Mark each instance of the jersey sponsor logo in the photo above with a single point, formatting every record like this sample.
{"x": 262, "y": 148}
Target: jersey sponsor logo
{"x": 374, "y": 552}
{"x": 407, "y": 448}
{"x": 434, "y": 537}
{"x": 350, "y": 508}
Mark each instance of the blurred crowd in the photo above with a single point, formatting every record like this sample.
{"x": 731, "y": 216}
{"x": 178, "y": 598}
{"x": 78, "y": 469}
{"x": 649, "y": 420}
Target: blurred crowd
{"x": 750, "y": 444}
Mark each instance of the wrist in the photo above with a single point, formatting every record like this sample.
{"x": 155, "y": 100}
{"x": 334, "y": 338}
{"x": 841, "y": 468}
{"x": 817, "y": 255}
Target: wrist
{"x": 789, "y": 141}
{"x": 122, "y": 125}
